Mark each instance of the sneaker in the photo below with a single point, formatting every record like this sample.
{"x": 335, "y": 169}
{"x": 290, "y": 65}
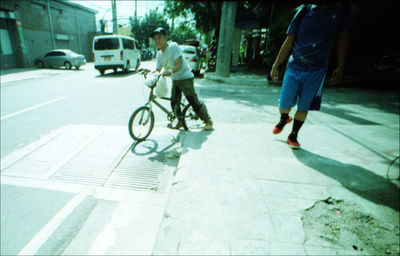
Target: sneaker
{"x": 293, "y": 143}
{"x": 176, "y": 127}
{"x": 208, "y": 126}
{"x": 279, "y": 127}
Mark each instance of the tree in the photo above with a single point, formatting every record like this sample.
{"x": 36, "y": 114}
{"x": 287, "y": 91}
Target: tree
{"x": 142, "y": 28}
{"x": 206, "y": 14}
{"x": 182, "y": 33}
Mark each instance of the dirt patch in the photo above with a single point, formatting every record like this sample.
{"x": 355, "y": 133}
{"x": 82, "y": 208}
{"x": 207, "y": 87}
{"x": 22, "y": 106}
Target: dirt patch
{"x": 343, "y": 225}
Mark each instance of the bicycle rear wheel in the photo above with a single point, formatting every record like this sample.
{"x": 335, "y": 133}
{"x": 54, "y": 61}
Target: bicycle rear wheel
{"x": 141, "y": 123}
{"x": 191, "y": 120}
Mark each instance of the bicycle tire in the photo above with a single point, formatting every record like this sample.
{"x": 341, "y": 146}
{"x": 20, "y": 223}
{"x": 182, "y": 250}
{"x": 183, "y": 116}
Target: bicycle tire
{"x": 140, "y": 130}
{"x": 191, "y": 119}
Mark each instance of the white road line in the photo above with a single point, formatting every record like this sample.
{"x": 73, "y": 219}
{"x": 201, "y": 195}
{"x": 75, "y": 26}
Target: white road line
{"x": 37, "y": 241}
{"x": 31, "y": 108}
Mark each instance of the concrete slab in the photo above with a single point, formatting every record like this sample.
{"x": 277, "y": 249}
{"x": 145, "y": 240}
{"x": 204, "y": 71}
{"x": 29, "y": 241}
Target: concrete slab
{"x": 240, "y": 182}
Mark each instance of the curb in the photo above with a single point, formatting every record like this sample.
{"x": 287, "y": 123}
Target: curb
{"x": 232, "y": 80}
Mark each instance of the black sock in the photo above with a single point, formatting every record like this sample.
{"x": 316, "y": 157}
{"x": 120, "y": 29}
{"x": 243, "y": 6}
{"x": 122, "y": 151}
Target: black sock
{"x": 284, "y": 116}
{"x": 296, "y": 127}
{"x": 282, "y": 121}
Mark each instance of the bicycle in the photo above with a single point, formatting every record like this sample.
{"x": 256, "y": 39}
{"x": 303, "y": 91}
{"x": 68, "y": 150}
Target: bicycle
{"x": 141, "y": 122}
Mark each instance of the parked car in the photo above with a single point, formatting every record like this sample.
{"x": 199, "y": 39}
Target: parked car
{"x": 192, "y": 58}
{"x": 115, "y": 51}
{"x": 200, "y": 46}
{"x": 60, "y": 58}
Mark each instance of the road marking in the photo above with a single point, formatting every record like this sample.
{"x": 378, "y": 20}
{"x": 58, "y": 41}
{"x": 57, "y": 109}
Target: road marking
{"x": 37, "y": 241}
{"x": 31, "y": 108}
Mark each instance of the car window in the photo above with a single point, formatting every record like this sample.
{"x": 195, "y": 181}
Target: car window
{"x": 189, "y": 50}
{"x": 106, "y": 44}
{"x": 50, "y": 54}
{"x": 59, "y": 54}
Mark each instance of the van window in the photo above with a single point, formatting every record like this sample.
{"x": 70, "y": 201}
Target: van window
{"x": 189, "y": 50}
{"x": 128, "y": 44}
{"x": 106, "y": 44}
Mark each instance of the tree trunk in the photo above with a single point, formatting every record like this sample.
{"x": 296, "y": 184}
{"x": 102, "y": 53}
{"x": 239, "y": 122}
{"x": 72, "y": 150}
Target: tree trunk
{"x": 225, "y": 42}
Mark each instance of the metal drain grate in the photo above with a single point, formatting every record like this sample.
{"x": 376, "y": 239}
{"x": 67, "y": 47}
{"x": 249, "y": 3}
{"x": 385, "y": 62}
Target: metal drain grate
{"x": 108, "y": 161}
{"x": 83, "y": 171}
{"x": 132, "y": 172}
{"x": 137, "y": 174}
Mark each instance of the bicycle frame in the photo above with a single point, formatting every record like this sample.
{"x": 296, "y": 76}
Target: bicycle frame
{"x": 152, "y": 99}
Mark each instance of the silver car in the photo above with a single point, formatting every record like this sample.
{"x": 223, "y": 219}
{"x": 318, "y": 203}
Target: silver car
{"x": 60, "y": 58}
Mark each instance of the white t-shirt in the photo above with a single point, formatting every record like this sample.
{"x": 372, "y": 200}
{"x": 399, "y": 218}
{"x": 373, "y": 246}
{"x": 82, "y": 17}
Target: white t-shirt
{"x": 166, "y": 60}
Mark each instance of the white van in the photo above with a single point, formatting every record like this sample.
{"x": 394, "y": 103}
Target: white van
{"x": 115, "y": 51}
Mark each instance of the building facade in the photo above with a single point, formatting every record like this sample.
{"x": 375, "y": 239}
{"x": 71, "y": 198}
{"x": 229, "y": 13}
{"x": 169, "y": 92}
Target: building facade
{"x": 31, "y": 28}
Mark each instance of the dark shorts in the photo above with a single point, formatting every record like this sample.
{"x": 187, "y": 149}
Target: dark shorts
{"x": 299, "y": 87}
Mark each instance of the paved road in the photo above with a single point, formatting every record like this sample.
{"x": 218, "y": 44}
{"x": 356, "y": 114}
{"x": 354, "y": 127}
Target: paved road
{"x": 34, "y": 103}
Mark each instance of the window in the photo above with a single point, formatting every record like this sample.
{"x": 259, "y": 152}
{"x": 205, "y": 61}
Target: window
{"x": 6, "y": 46}
{"x": 128, "y": 43}
{"x": 50, "y": 54}
{"x": 189, "y": 50}
{"x": 106, "y": 44}
{"x": 59, "y": 54}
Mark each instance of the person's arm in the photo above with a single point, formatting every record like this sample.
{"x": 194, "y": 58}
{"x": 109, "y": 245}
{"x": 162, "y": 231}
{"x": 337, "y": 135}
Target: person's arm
{"x": 284, "y": 52}
{"x": 342, "y": 45}
{"x": 175, "y": 68}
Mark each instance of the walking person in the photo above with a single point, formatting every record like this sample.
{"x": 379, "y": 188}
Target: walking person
{"x": 311, "y": 36}
{"x": 170, "y": 59}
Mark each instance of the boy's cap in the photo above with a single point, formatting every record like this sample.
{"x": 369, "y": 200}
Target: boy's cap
{"x": 158, "y": 30}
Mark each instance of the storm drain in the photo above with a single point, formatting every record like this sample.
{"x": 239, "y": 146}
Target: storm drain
{"x": 132, "y": 172}
{"x": 84, "y": 171}
{"x": 138, "y": 175}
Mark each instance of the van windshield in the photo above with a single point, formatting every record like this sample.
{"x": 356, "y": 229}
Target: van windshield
{"x": 106, "y": 44}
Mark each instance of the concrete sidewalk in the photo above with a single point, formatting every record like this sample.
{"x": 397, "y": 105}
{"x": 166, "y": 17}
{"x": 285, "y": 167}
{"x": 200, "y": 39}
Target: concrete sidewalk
{"x": 240, "y": 190}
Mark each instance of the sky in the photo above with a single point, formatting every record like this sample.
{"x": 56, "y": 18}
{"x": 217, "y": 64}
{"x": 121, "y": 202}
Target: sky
{"x": 125, "y": 8}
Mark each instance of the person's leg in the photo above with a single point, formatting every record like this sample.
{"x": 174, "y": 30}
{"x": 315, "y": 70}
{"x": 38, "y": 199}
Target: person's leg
{"x": 187, "y": 88}
{"x": 176, "y": 96}
{"x": 287, "y": 99}
{"x": 311, "y": 81}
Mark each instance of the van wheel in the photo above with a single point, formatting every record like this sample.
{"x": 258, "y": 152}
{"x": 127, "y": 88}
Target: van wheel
{"x": 128, "y": 67}
{"x": 137, "y": 65}
{"x": 101, "y": 71}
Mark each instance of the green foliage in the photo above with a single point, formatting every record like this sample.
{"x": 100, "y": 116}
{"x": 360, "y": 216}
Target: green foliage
{"x": 206, "y": 14}
{"x": 142, "y": 29}
{"x": 280, "y": 24}
{"x": 182, "y": 33}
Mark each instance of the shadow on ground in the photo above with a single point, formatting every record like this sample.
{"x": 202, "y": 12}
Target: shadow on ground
{"x": 118, "y": 74}
{"x": 358, "y": 180}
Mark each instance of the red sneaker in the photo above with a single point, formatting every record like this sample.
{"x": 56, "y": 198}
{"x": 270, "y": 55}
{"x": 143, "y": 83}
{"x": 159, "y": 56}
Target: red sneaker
{"x": 279, "y": 127}
{"x": 293, "y": 144}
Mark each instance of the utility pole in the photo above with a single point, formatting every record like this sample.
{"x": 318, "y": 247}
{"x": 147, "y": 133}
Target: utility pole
{"x": 114, "y": 16}
{"x": 135, "y": 10}
{"x": 225, "y": 41}
{"x": 51, "y": 24}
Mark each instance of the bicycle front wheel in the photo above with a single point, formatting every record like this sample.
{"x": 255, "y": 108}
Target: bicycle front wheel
{"x": 191, "y": 119}
{"x": 141, "y": 123}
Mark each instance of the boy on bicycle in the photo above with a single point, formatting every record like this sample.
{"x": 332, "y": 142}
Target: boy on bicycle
{"x": 170, "y": 58}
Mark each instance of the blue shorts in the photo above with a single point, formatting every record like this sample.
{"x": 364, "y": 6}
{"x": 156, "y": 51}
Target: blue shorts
{"x": 300, "y": 87}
